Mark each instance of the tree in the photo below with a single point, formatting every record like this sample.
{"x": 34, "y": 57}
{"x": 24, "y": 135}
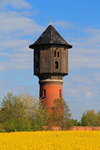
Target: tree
{"x": 84, "y": 120}
{"x": 89, "y": 118}
{"x": 41, "y": 118}
{"x": 75, "y": 122}
{"x": 98, "y": 119}
{"x": 59, "y": 114}
{"x": 35, "y": 111}
{"x": 23, "y": 112}
{"x": 30, "y": 105}
{"x": 12, "y": 114}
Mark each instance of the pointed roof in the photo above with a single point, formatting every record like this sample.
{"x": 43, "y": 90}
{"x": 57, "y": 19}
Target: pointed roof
{"x": 50, "y": 37}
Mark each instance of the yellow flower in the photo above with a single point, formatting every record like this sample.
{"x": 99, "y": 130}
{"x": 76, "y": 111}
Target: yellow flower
{"x": 50, "y": 140}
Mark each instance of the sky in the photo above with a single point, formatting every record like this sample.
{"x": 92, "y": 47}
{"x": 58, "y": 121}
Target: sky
{"x": 78, "y": 21}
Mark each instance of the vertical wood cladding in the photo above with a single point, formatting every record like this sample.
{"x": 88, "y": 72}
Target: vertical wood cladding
{"x": 49, "y": 59}
{"x": 45, "y": 60}
{"x": 36, "y": 61}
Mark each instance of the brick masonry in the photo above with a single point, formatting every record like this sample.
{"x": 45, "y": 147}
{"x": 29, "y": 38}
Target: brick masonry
{"x": 84, "y": 128}
{"x": 52, "y": 92}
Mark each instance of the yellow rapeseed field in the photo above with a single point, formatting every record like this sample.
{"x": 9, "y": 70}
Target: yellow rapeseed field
{"x": 50, "y": 140}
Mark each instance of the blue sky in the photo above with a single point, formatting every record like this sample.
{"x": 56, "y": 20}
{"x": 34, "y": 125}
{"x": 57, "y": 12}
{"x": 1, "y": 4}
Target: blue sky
{"x": 78, "y": 21}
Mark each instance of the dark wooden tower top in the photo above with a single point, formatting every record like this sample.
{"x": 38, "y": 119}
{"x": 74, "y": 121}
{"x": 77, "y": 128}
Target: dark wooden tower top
{"x": 50, "y": 55}
{"x": 50, "y": 37}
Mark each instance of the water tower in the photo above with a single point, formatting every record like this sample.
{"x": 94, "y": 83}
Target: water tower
{"x": 50, "y": 64}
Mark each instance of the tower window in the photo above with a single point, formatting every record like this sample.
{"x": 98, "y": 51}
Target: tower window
{"x": 60, "y": 95}
{"x": 44, "y": 93}
{"x": 54, "y": 53}
{"x": 56, "y": 64}
{"x": 57, "y": 54}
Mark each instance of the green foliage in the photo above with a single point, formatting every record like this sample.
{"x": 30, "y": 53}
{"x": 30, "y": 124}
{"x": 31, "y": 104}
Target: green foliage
{"x": 75, "y": 122}
{"x": 68, "y": 123}
{"x": 59, "y": 114}
{"x": 23, "y": 113}
{"x": 2, "y": 129}
{"x": 98, "y": 119}
{"x": 34, "y": 111}
{"x": 90, "y": 118}
{"x": 12, "y": 114}
{"x": 40, "y": 119}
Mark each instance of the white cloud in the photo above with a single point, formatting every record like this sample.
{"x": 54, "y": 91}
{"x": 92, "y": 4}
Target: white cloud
{"x": 89, "y": 94}
{"x": 30, "y": 13}
{"x": 85, "y": 53}
{"x": 3, "y": 66}
{"x": 17, "y": 54}
{"x": 80, "y": 61}
{"x": 17, "y": 4}
{"x": 5, "y": 54}
{"x": 14, "y": 23}
{"x": 81, "y": 85}
{"x": 17, "y": 60}
{"x": 14, "y": 44}
{"x": 63, "y": 24}
{"x": 21, "y": 61}
{"x": 96, "y": 77}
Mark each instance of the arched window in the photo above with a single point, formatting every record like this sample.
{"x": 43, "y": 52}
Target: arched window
{"x": 56, "y": 53}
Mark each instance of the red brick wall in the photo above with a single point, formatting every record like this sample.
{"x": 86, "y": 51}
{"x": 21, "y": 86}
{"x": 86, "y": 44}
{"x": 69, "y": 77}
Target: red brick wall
{"x": 84, "y": 128}
{"x": 55, "y": 128}
{"x": 52, "y": 92}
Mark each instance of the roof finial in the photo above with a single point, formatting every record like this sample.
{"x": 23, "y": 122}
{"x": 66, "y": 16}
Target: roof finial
{"x": 51, "y": 21}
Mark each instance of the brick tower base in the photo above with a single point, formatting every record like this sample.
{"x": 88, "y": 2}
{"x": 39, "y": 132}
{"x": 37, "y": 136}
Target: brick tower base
{"x": 50, "y": 90}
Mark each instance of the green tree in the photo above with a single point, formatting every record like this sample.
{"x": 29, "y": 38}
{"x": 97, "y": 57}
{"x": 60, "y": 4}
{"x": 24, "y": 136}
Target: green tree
{"x": 84, "y": 120}
{"x": 75, "y": 122}
{"x": 41, "y": 118}
{"x": 35, "y": 111}
{"x": 12, "y": 114}
{"x": 23, "y": 112}
{"x": 89, "y": 118}
{"x": 59, "y": 114}
{"x": 30, "y": 105}
{"x": 98, "y": 119}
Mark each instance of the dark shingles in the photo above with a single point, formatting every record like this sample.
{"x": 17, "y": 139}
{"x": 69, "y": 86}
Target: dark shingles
{"x": 50, "y": 37}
